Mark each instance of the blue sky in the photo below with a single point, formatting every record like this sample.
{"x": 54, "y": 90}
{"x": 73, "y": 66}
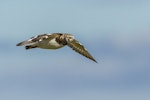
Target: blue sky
{"x": 115, "y": 32}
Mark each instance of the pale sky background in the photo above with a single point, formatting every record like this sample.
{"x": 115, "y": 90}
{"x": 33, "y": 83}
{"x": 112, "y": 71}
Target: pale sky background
{"x": 115, "y": 32}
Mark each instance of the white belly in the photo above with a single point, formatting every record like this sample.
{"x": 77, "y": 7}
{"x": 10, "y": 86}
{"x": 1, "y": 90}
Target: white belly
{"x": 52, "y": 44}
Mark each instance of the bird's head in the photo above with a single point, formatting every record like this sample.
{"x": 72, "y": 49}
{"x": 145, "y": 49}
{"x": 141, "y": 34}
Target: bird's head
{"x": 69, "y": 37}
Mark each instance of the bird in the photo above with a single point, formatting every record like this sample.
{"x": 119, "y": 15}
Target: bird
{"x": 55, "y": 41}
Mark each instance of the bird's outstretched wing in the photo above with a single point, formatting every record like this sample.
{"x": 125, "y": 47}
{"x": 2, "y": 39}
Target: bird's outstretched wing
{"x": 34, "y": 40}
{"x": 75, "y": 45}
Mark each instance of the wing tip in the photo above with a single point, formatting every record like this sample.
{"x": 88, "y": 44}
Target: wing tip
{"x": 24, "y": 43}
{"x": 91, "y": 58}
{"x": 19, "y": 44}
{"x": 94, "y": 60}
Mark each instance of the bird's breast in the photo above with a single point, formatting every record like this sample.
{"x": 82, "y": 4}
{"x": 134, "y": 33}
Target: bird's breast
{"x": 53, "y": 42}
{"x": 50, "y": 44}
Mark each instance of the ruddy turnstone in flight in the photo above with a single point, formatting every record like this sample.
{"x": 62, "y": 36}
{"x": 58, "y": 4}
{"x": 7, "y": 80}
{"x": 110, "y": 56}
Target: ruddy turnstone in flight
{"x": 56, "y": 41}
